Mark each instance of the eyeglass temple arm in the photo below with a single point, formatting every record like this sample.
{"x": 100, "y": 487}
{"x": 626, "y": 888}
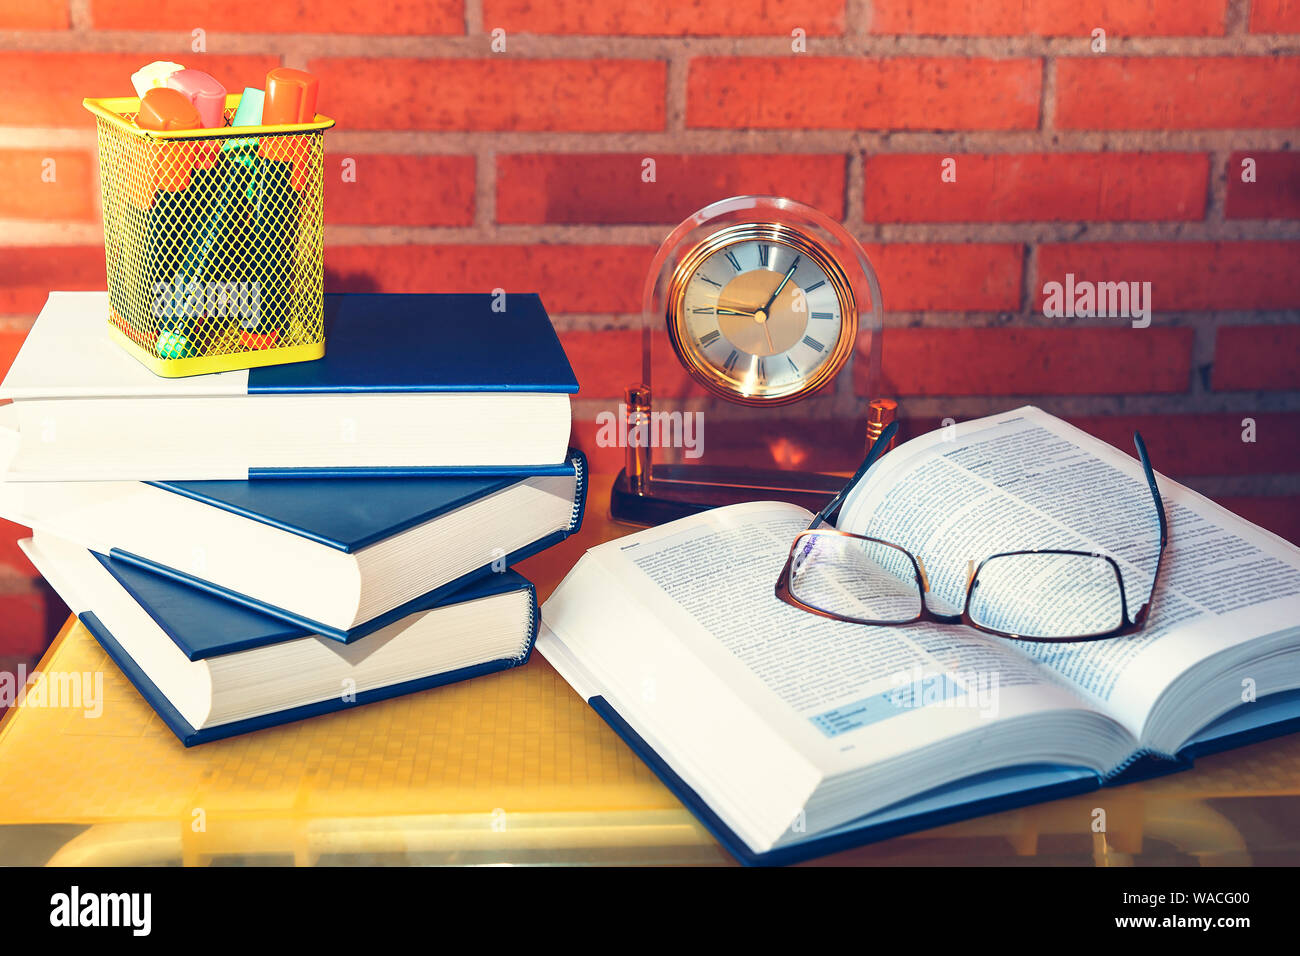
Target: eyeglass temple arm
{"x": 877, "y": 449}
{"x": 1160, "y": 514}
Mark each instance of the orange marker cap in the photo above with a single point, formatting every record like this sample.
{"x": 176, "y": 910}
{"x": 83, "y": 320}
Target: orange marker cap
{"x": 290, "y": 97}
{"x": 163, "y": 108}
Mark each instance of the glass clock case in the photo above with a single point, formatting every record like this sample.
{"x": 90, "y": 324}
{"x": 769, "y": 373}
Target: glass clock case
{"x": 761, "y": 351}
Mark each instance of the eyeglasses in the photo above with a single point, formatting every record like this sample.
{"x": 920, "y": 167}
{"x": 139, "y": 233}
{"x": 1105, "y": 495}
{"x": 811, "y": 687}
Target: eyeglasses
{"x": 1049, "y": 595}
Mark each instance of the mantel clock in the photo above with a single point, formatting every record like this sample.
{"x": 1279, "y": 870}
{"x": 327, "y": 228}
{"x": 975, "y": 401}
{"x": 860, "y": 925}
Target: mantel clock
{"x": 761, "y": 357}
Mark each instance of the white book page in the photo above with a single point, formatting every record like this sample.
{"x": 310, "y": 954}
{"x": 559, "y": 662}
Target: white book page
{"x": 843, "y": 695}
{"x": 1028, "y": 480}
{"x": 68, "y": 354}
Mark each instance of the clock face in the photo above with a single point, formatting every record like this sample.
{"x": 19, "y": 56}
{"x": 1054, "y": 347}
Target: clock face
{"x": 762, "y": 315}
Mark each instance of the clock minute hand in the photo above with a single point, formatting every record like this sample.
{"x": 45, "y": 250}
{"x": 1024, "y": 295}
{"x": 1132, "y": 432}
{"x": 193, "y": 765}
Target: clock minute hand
{"x": 794, "y": 265}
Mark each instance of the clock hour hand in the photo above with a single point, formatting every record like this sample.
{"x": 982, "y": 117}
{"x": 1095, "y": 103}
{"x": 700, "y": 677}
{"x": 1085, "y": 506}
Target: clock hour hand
{"x": 758, "y": 315}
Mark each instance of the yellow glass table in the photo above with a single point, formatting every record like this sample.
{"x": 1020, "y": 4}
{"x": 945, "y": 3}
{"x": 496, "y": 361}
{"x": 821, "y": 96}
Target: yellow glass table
{"x": 516, "y": 768}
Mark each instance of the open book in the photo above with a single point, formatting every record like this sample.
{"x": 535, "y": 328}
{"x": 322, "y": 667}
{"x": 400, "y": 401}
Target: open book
{"x": 792, "y": 735}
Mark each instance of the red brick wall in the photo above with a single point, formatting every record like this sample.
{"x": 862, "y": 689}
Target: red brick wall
{"x": 521, "y": 169}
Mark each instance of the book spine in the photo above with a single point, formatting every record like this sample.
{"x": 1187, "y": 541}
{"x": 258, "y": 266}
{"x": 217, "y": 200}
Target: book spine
{"x": 1143, "y": 754}
{"x": 534, "y": 625}
{"x": 579, "y": 461}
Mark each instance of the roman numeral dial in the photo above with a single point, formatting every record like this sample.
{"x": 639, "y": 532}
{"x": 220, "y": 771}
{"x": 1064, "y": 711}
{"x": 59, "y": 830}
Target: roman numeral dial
{"x": 762, "y": 317}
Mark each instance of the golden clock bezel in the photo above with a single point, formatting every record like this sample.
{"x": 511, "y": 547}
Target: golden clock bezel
{"x": 704, "y": 373}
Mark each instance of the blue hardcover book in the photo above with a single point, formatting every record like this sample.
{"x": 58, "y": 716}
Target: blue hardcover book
{"x": 339, "y": 558}
{"x": 793, "y": 734}
{"x": 410, "y": 384}
{"x": 191, "y": 655}
{"x": 990, "y": 792}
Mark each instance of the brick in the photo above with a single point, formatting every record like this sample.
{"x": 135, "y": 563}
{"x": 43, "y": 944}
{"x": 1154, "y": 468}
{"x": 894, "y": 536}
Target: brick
{"x": 35, "y": 15}
{"x": 570, "y": 278}
{"x": 1277, "y": 513}
{"x": 665, "y": 18}
{"x": 608, "y": 187}
{"x": 951, "y": 276}
{"x": 1177, "y": 92}
{"x": 53, "y": 84}
{"x": 1035, "y": 187}
{"x": 903, "y": 93}
{"x": 400, "y": 190}
{"x": 31, "y": 272}
{"x": 605, "y": 362}
{"x": 1199, "y": 445}
{"x": 1275, "y": 193}
{"x": 1274, "y": 16}
{"x": 1049, "y": 17}
{"x": 416, "y": 17}
{"x": 1257, "y": 357}
{"x": 1034, "y": 361}
{"x": 31, "y": 194}
{"x": 22, "y": 623}
{"x": 1184, "y": 275}
{"x": 587, "y": 96}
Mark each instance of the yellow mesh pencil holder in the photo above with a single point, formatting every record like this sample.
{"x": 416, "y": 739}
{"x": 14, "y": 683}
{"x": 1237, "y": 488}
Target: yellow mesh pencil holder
{"x": 212, "y": 240}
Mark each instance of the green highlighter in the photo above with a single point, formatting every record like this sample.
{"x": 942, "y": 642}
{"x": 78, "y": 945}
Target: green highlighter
{"x": 248, "y": 113}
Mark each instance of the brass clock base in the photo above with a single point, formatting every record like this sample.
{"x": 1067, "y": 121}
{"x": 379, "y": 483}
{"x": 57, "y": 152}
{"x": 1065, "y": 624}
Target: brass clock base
{"x": 676, "y": 491}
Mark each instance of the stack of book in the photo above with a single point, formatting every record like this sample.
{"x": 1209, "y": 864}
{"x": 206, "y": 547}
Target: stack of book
{"x": 261, "y": 546}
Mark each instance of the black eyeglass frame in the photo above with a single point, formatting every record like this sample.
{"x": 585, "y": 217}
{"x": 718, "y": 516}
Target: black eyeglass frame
{"x": 1126, "y": 626}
